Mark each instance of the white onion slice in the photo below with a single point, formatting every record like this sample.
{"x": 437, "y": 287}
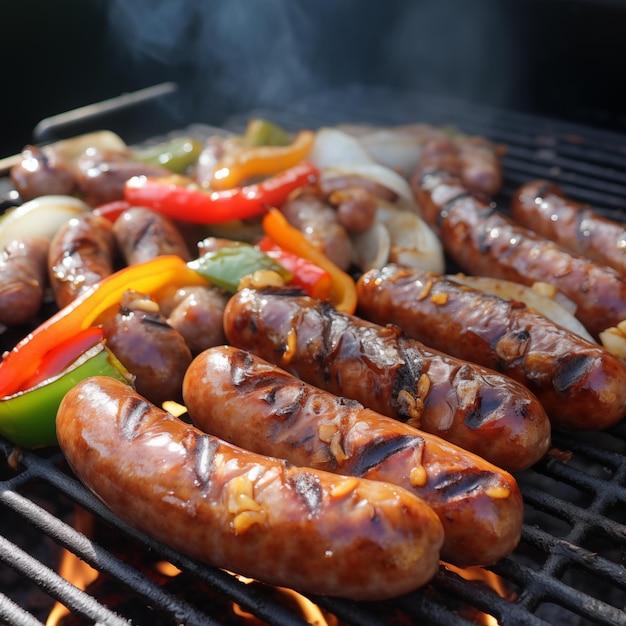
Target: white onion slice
{"x": 333, "y": 147}
{"x": 371, "y": 248}
{"x": 40, "y": 217}
{"x": 545, "y": 305}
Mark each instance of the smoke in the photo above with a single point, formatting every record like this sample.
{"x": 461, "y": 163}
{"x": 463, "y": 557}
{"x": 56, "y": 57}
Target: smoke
{"x": 235, "y": 55}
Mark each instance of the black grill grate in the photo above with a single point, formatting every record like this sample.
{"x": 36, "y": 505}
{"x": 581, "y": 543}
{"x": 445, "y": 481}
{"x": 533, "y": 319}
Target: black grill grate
{"x": 570, "y": 565}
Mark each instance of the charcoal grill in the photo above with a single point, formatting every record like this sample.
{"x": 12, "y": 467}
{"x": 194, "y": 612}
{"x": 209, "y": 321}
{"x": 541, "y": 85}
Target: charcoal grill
{"x": 570, "y": 565}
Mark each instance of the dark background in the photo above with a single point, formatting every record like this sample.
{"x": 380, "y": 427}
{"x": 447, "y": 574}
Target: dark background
{"x": 551, "y": 58}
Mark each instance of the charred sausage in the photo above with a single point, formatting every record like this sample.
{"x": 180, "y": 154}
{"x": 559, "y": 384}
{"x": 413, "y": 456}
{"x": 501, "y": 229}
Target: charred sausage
{"x": 197, "y": 313}
{"x": 142, "y": 234}
{"x": 40, "y": 174}
{"x": 81, "y": 254}
{"x": 310, "y": 214}
{"x": 481, "y": 167}
{"x": 473, "y": 407}
{"x": 23, "y": 277}
{"x": 252, "y": 404}
{"x": 545, "y": 208}
{"x": 579, "y": 383}
{"x": 481, "y": 240}
{"x": 305, "y": 529}
{"x": 150, "y": 349}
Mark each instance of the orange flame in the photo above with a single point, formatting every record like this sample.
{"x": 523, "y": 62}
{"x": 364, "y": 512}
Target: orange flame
{"x": 488, "y": 578}
{"x": 72, "y": 568}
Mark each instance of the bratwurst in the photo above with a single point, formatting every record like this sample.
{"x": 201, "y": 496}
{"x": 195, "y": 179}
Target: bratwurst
{"x": 305, "y": 529}
{"x": 253, "y": 404}
{"x": 473, "y": 407}
{"x": 482, "y": 241}
{"x": 579, "y": 383}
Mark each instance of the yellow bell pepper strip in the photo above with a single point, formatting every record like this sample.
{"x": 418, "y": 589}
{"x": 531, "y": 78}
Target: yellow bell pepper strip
{"x": 314, "y": 280}
{"x": 28, "y": 418}
{"x": 227, "y": 265}
{"x": 176, "y": 154}
{"x": 19, "y": 364}
{"x": 343, "y": 289}
{"x": 192, "y": 204}
{"x": 236, "y": 167}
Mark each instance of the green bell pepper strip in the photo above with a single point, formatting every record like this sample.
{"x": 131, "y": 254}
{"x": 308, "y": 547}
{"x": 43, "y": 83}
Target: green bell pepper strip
{"x": 192, "y": 204}
{"x": 226, "y": 266}
{"x": 176, "y": 154}
{"x": 260, "y": 132}
{"x": 28, "y": 418}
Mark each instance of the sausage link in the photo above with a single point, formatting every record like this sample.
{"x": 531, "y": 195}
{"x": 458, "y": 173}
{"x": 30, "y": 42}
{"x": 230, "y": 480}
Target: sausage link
{"x": 142, "y": 235}
{"x": 23, "y": 277}
{"x": 544, "y": 207}
{"x": 480, "y": 165}
{"x": 481, "y": 240}
{"x": 250, "y": 403}
{"x": 261, "y": 517}
{"x": 475, "y": 408}
{"x": 579, "y": 383}
{"x": 150, "y": 349}
{"x": 81, "y": 254}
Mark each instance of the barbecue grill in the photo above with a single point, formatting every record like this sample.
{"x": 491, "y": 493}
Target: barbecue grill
{"x": 570, "y": 567}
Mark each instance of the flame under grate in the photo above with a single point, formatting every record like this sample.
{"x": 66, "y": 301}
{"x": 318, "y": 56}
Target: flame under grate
{"x": 570, "y": 565}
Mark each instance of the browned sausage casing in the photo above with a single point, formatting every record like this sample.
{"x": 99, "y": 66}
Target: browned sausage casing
{"x": 81, "y": 254}
{"x": 245, "y": 400}
{"x": 23, "y": 277}
{"x": 142, "y": 235}
{"x": 475, "y": 408}
{"x": 580, "y": 384}
{"x": 484, "y": 242}
{"x": 151, "y": 350}
{"x": 313, "y": 531}
{"x": 545, "y": 208}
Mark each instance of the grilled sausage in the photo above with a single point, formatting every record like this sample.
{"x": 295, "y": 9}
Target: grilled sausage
{"x": 23, "y": 277}
{"x": 252, "y": 404}
{"x": 150, "y": 349}
{"x": 481, "y": 240}
{"x": 310, "y": 214}
{"x": 305, "y": 529}
{"x": 142, "y": 234}
{"x": 468, "y": 405}
{"x": 41, "y": 174}
{"x": 544, "y": 207}
{"x": 579, "y": 383}
{"x": 81, "y": 254}
{"x": 481, "y": 167}
{"x": 197, "y": 313}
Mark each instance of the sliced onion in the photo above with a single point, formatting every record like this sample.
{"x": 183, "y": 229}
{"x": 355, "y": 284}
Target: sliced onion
{"x": 333, "y": 147}
{"x": 413, "y": 242}
{"x": 70, "y": 150}
{"x": 547, "y": 306}
{"x": 40, "y": 217}
{"x": 371, "y": 248}
{"x": 614, "y": 340}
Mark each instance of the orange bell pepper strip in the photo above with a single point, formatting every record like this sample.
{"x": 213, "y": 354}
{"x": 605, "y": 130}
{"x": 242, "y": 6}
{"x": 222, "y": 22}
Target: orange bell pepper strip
{"x": 343, "y": 289}
{"x": 23, "y": 361}
{"x": 234, "y": 169}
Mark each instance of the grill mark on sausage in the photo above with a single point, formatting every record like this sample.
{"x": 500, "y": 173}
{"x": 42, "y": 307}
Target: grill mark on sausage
{"x": 203, "y": 453}
{"x": 571, "y": 371}
{"x": 459, "y": 484}
{"x": 308, "y": 488}
{"x": 133, "y": 411}
{"x": 381, "y": 449}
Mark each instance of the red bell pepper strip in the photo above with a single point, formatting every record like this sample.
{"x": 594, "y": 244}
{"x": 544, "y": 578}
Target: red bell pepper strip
{"x": 192, "y": 204}
{"x": 112, "y": 210}
{"x": 314, "y": 280}
{"x": 343, "y": 290}
{"x": 22, "y": 361}
{"x": 63, "y": 355}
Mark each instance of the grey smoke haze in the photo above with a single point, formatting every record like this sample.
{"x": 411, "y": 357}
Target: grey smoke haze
{"x": 246, "y": 53}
